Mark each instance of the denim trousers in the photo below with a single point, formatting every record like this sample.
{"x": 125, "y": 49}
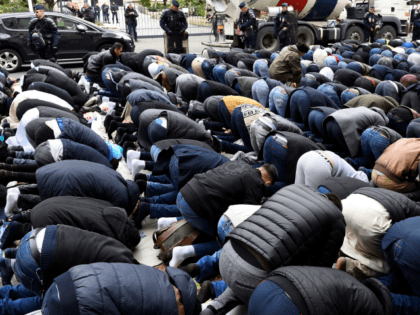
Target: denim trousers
{"x": 164, "y": 199}
{"x": 315, "y": 119}
{"x": 348, "y": 95}
{"x": 166, "y": 210}
{"x": 208, "y": 70}
{"x": 162, "y": 179}
{"x": 204, "y": 92}
{"x": 413, "y": 129}
{"x": 239, "y": 129}
{"x": 156, "y": 132}
{"x": 154, "y": 152}
{"x": 373, "y": 144}
{"x": 260, "y": 92}
{"x": 224, "y": 114}
{"x": 157, "y": 189}
{"x": 233, "y": 148}
{"x": 219, "y": 72}
{"x": 237, "y": 88}
{"x": 275, "y": 152}
{"x": 114, "y": 15}
{"x": 192, "y": 218}
{"x": 95, "y": 78}
{"x": 334, "y": 132}
{"x": 112, "y": 89}
{"x": 16, "y": 300}
{"x": 132, "y": 29}
{"x": 299, "y": 107}
{"x": 260, "y": 68}
{"x": 277, "y": 100}
{"x": 213, "y": 125}
{"x": 24, "y": 161}
{"x": 331, "y": 93}
{"x": 25, "y": 155}
{"x": 230, "y": 76}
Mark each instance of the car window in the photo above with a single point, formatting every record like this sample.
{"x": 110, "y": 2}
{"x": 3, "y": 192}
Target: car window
{"x": 9, "y": 23}
{"x": 65, "y": 24}
{"x": 22, "y": 23}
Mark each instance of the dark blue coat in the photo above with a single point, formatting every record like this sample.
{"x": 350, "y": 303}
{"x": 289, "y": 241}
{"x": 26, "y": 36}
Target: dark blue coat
{"x": 87, "y": 179}
{"x": 76, "y": 151}
{"x": 119, "y": 289}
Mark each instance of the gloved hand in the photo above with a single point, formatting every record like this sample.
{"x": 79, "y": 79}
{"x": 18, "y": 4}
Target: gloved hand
{"x": 169, "y": 32}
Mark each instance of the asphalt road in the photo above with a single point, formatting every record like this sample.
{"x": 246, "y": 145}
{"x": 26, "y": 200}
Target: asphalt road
{"x": 195, "y": 47}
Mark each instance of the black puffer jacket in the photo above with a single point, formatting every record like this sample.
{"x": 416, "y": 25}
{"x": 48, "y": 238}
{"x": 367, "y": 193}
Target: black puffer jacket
{"x": 135, "y": 60}
{"x": 179, "y": 127}
{"x": 296, "y": 226}
{"x": 89, "y": 214}
{"x": 398, "y": 206}
{"x": 327, "y": 291}
{"x": 96, "y": 62}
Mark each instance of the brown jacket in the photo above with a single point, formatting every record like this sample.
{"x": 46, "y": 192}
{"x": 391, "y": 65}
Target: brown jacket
{"x": 400, "y": 161}
{"x": 386, "y": 103}
{"x": 286, "y": 67}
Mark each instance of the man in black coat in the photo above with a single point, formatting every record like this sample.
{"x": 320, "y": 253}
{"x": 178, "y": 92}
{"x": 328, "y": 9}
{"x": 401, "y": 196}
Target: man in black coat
{"x": 131, "y": 20}
{"x": 296, "y": 226}
{"x": 89, "y": 13}
{"x": 105, "y": 12}
{"x": 174, "y": 23}
{"x": 96, "y": 62}
{"x": 416, "y": 28}
{"x": 97, "y": 10}
{"x": 281, "y": 31}
{"x": 370, "y": 21}
{"x": 248, "y": 24}
{"x": 114, "y": 10}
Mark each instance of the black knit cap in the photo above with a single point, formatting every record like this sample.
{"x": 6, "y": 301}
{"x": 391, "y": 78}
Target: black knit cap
{"x": 303, "y": 48}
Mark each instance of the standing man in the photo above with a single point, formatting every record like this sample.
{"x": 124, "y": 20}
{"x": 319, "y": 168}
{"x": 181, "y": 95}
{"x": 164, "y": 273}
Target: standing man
{"x": 114, "y": 10}
{"x": 98, "y": 12}
{"x": 416, "y": 28}
{"x": 68, "y": 9}
{"x": 131, "y": 20}
{"x": 77, "y": 12}
{"x": 280, "y": 26}
{"x": 370, "y": 22}
{"x": 43, "y": 35}
{"x": 105, "y": 12}
{"x": 248, "y": 24}
{"x": 174, "y": 23}
{"x": 89, "y": 13}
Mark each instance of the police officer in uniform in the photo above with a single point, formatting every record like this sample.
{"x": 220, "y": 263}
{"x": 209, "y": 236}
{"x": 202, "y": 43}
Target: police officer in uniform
{"x": 248, "y": 24}
{"x": 43, "y": 35}
{"x": 370, "y": 21}
{"x": 416, "y": 28}
{"x": 174, "y": 23}
{"x": 280, "y": 26}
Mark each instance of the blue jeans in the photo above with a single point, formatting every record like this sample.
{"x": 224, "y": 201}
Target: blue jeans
{"x": 299, "y": 108}
{"x": 162, "y": 179}
{"x": 98, "y": 16}
{"x": 16, "y": 300}
{"x": 154, "y": 152}
{"x": 209, "y": 265}
{"x": 114, "y": 15}
{"x": 192, "y": 218}
{"x": 261, "y": 68}
{"x": 165, "y": 199}
{"x": 277, "y": 100}
{"x": 219, "y": 72}
{"x": 348, "y": 95}
{"x": 24, "y": 161}
{"x": 275, "y": 152}
{"x": 132, "y": 29}
{"x": 413, "y": 129}
{"x": 204, "y": 91}
{"x": 157, "y": 189}
{"x": 331, "y": 93}
{"x": 237, "y": 88}
{"x": 208, "y": 71}
{"x": 112, "y": 87}
{"x": 95, "y": 78}
{"x": 315, "y": 119}
{"x": 156, "y": 132}
{"x": 174, "y": 172}
{"x": 239, "y": 128}
{"x": 260, "y": 92}
{"x": 233, "y": 148}
{"x": 373, "y": 145}
{"x": 165, "y": 210}
{"x": 334, "y": 132}
{"x": 25, "y": 155}
{"x": 224, "y": 114}
{"x": 230, "y": 76}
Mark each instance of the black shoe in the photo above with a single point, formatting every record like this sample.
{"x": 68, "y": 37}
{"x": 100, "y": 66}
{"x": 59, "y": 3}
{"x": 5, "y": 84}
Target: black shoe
{"x": 6, "y": 271}
{"x": 140, "y": 176}
{"x": 206, "y": 292}
{"x": 142, "y": 212}
{"x": 112, "y": 127}
{"x": 121, "y": 131}
{"x": 142, "y": 185}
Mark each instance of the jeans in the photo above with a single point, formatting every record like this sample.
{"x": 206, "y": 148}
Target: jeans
{"x": 315, "y": 119}
{"x": 331, "y": 93}
{"x": 25, "y": 155}
{"x": 334, "y": 132}
{"x": 277, "y": 100}
{"x": 413, "y": 129}
{"x": 260, "y": 92}
{"x": 132, "y": 29}
{"x": 95, "y": 78}
{"x": 233, "y": 148}
{"x": 154, "y": 152}
{"x": 16, "y": 300}
{"x": 219, "y": 72}
{"x": 224, "y": 114}
{"x": 192, "y": 218}
{"x": 164, "y": 199}
{"x": 208, "y": 70}
{"x": 113, "y": 90}
{"x": 275, "y": 152}
{"x": 299, "y": 107}
{"x": 167, "y": 211}
{"x": 157, "y": 189}
{"x": 239, "y": 129}
{"x": 204, "y": 91}
{"x": 230, "y": 76}
{"x": 237, "y": 88}
{"x": 98, "y": 16}
{"x": 24, "y": 161}
{"x": 174, "y": 172}
{"x": 261, "y": 68}
{"x": 162, "y": 179}
{"x": 373, "y": 144}
{"x": 348, "y": 95}
{"x": 156, "y": 132}
{"x": 106, "y": 17}
{"x": 114, "y": 15}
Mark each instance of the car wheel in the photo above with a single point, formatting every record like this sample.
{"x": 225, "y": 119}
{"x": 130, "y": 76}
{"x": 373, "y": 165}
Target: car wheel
{"x": 10, "y": 60}
{"x": 104, "y": 47}
{"x": 355, "y": 33}
{"x": 305, "y": 35}
{"x": 266, "y": 40}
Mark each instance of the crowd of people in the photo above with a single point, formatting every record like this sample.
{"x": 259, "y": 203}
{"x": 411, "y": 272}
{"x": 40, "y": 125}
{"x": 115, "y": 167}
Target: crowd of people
{"x": 296, "y": 173}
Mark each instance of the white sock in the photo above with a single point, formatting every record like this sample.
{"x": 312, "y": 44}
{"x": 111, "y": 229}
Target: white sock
{"x": 132, "y": 155}
{"x": 11, "y": 201}
{"x": 165, "y": 222}
{"x": 137, "y": 166}
{"x": 180, "y": 253}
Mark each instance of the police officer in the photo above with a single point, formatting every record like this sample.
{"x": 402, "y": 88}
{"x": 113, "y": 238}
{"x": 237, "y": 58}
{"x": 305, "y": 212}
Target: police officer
{"x": 248, "y": 24}
{"x": 174, "y": 23}
{"x": 43, "y": 35}
{"x": 280, "y": 26}
{"x": 370, "y": 21}
{"x": 416, "y": 28}
{"x": 114, "y": 10}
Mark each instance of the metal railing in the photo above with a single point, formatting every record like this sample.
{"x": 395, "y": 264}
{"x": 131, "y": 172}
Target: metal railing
{"x": 148, "y": 23}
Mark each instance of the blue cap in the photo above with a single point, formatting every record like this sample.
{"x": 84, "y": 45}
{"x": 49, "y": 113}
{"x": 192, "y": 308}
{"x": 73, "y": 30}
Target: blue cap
{"x": 372, "y": 7}
{"x": 38, "y": 7}
{"x": 285, "y": 5}
{"x": 242, "y": 4}
{"x": 175, "y": 3}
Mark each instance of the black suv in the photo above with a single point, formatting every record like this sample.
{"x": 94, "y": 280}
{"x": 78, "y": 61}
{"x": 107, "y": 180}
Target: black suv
{"x": 76, "y": 38}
